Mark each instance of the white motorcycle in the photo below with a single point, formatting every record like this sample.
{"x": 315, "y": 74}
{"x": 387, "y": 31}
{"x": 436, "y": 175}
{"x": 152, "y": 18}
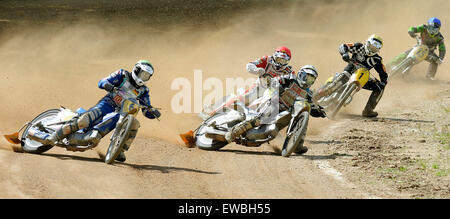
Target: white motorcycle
{"x": 32, "y": 139}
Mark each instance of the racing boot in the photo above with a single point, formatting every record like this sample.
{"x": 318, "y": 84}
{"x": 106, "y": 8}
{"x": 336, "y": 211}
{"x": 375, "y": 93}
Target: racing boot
{"x": 121, "y": 157}
{"x": 371, "y": 104}
{"x": 241, "y": 128}
{"x": 72, "y": 126}
{"x": 301, "y": 149}
{"x": 431, "y": 71}
{"x": 63, "y": 132}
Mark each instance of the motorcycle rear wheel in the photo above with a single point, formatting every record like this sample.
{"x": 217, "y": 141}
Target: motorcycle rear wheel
{"x": 291, "y": 143}
{"x": 204, "y": 142}
{"x": 35, "y": 147}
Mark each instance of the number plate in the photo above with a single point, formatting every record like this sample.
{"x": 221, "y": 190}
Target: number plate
{"x": 289, "y": 95}
{"x": 118, "y": 100}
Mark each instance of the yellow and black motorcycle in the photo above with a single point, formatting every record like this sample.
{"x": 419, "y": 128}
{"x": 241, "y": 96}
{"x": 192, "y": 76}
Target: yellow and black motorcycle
{"x": 342, "y": 93}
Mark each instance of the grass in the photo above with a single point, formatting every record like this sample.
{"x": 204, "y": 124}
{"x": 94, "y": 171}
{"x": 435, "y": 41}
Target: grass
{"x": 442, "y": 173}
{"x": 444, "y": 139}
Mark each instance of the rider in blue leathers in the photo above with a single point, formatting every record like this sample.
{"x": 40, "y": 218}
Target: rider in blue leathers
{"x": 131, "y": 81}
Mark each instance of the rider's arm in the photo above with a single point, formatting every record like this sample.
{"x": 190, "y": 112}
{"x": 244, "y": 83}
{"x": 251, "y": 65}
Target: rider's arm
{"x": 346, "y": 48}
{"x": 113, "y": 80}
{"x": 413, "y": 30}
{"x": 257, "y": 67}
{"x": 316, "y": 109}
{"x": 442, "y": 50}
{"x": 381, "y": 69}
{"x": 145, "y": 100}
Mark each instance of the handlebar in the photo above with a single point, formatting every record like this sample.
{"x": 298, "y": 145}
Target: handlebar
{"x": 142, "y": 104}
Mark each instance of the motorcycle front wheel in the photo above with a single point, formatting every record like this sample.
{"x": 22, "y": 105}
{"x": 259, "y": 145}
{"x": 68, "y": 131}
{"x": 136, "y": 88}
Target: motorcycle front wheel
{"x": 343, "y": 99}
{"x": 395, "y": 70}
{"x": 298, "y": 135}
{"x": 121, "y": 135}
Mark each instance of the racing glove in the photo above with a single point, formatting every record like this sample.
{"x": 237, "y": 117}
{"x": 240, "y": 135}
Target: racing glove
{"x": 318, "y": 111}
{"x": 108, "y": 87}
{"x": 155, "y": 112}
{"x": 346, "y": 57}
{"x": 252, "y": 68}
{"x": 382, "y": 85}
{"x": 412, "y": 34}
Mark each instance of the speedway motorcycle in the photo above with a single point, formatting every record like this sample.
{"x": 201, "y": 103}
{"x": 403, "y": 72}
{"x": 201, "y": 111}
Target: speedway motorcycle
{"x": 417, "y": 54}
{"x": 123, "y": 119}
{"x": 295, "y": 110}
{"x": 343, "y": 94}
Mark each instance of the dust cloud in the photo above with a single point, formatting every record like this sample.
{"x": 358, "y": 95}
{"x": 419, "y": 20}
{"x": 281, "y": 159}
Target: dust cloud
{"x": 49, "y": 65}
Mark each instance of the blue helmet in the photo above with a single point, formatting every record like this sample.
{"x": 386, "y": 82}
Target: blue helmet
{"x": 433, "y": 26}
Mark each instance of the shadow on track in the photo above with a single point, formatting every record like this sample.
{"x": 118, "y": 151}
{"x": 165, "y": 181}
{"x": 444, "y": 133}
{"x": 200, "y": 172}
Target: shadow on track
{"x": 267, "y": 153}
{"x": 162, "y": 169}
{"x": 359, "y": 117}
{"x": 325, "y": 157}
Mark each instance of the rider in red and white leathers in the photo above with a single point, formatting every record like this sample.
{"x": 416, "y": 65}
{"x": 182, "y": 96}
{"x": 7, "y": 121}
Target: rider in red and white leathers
{"x": 266, "y": 68}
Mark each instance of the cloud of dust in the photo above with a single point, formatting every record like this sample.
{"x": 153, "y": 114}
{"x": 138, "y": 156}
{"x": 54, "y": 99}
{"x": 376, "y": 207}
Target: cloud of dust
{"x": 47, "y": 67}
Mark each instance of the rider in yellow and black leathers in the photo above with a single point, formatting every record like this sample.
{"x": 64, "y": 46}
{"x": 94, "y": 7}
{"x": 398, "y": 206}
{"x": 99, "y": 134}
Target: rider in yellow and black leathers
{"x": 367, "y": 55}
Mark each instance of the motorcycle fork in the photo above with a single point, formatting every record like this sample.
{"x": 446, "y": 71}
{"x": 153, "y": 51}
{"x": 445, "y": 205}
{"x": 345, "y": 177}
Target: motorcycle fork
{"x": 337, "y": 83}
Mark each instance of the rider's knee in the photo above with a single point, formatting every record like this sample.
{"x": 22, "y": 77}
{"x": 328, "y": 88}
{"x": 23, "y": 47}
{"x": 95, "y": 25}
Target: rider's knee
{"x": 83, "y": 121}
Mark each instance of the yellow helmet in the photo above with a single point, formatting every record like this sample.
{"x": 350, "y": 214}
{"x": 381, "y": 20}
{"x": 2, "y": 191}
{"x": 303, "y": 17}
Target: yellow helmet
{"x": 373, "y": 44}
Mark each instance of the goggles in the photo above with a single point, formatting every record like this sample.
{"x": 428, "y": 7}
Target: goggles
{"x": 281, "y": 58}
{"x": 307, "y": 78}
{"x": 145, "y": 74}
{"x": 433, "y": 30}
{"x": 374, "y": 46}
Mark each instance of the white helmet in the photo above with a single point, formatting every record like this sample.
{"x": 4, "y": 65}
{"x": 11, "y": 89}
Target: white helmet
{"x": 373, "y": 45}
{"x": 307, "y": 75}
{"x": 142, "y": 72}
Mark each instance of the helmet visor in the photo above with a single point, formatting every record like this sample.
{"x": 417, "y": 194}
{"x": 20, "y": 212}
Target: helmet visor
{"x": 281, "y": 58}
{"x": 310, "y": 79}
{"x": 145, "y": 73}
{"x": 374, "y": 46}
{"x": 433, "y": 30}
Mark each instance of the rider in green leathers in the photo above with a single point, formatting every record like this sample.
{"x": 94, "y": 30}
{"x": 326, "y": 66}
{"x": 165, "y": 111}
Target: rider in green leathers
{"x": 431, "y": 37}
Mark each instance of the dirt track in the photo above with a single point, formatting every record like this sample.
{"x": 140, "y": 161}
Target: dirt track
{"x": 51, "y": 59}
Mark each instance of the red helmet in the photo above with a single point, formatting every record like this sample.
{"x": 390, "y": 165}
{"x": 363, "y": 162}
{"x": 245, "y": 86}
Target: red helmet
{"x": 282, "y": 56}
{"x": 284, "y": 49}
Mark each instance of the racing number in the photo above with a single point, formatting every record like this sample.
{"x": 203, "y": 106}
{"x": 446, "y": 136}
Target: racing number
{"x": 117, "y": 99}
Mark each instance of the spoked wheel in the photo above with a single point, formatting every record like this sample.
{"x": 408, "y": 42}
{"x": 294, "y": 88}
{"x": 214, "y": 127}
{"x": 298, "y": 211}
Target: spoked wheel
{"x": 298, "y": 135}
{"x": 32, "y": 146}
{"x": 119, "y": 138}
{"x": 343, "y": 99}
{"x": 328, "y": 102}
{"x": 397, "y": 69}
{"x": 204, "y": 142}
